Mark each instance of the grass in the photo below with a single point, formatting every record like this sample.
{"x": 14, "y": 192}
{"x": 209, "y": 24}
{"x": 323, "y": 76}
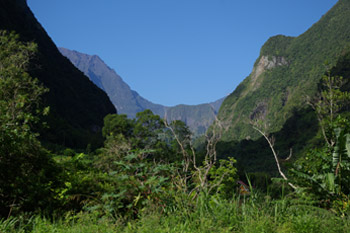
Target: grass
{"x": 208, "y": 214}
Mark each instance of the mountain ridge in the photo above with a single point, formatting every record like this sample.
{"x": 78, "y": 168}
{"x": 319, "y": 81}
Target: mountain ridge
{"x": 126, "y": 100}
{"x": 287, "y": 69}
{"x": 129, "y": 102}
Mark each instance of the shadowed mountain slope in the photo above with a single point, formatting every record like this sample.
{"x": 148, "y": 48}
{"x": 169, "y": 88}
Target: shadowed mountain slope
{"x": 77, "y": 106}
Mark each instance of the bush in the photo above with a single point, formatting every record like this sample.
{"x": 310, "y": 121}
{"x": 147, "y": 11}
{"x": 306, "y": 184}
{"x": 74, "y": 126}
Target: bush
{"x": 27, "y": 173}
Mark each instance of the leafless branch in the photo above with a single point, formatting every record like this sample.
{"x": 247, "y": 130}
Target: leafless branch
{"x": 271, "y": 144}
{"x": 201, "y": 172}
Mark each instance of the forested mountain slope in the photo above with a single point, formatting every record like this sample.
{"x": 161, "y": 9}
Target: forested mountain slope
{"x": 287, "y": 70}
{"x": 77, "y": 106}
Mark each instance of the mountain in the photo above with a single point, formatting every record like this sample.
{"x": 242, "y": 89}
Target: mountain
{"x": 129, "y": 102}
{"x": 287, "y": 70}
{"x": 77, "y": 106}
{"x": 198, "y": 117}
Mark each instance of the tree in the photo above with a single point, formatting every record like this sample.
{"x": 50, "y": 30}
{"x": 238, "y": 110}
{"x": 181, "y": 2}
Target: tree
{"x": 115, "y": 124}
{"x": 327, "y": 105}
{"x": 191, "y": 168}
{"x": 177, "y": 132}
{"x": 25, "y": 168}
{"x": 20, "y": 94}
{"x": 147, "y": 129}
{"x": 325, "y": 171}
{"x": 147, "y": 132}
{"x": 261, "y": 128}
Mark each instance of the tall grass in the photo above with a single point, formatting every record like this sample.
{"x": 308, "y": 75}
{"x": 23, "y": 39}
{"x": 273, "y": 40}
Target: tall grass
{"x": 81, "y": 222}
{"x": 254, "y": 213}
{"x": 243, "y": 214}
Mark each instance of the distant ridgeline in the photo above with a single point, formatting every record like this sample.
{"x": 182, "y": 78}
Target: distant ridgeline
{"x": 287, "y": 70}
{"x": 77, "y": 106}
{"x": 129, "y": 102}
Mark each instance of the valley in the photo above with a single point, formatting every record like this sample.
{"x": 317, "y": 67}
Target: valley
{"x": 197, "y": 117}
{"x": 81, "y": 151}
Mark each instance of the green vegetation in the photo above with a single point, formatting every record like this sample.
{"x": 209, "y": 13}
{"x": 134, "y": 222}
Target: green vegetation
{"x": 286, "y": 70}
{"x": 327, "y": 170}
{"x": 285, "y": 76}
{"x": 148, "y": 177}
{"x": 27, "y": 173}
{"x": 210, "y": 214}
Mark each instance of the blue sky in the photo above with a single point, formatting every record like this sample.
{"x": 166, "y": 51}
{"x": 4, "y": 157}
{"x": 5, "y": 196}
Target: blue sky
{"x": 176, "y": 51}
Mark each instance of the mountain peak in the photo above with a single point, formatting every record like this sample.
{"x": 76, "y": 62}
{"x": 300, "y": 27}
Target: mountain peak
{"x": 129, "y": 102}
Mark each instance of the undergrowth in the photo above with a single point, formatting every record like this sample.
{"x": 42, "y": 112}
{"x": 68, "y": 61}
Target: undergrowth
{"x": 254, "y": 213}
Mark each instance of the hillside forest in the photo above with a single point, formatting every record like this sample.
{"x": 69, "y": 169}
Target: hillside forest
{"x": 279, "y": 164}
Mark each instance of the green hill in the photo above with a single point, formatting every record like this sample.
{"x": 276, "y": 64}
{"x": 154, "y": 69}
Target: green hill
{"x": 286, "y": 71}
{"x": 77, "y": 106}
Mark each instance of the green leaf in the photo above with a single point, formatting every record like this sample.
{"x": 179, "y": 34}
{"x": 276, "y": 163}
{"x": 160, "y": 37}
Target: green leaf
{"x": 347, "y": 145}
{"x": 330, "y": 181}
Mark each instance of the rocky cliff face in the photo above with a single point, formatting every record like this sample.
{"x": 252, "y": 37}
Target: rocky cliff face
{"x": 265, "y": 63}
{"x": 198, "y": 117}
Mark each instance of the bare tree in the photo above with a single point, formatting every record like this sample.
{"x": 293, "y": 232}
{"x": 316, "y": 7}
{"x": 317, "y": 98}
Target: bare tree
{"x": 258, "y": 126}
{"x": 210, "y": 158}
{"x": 189, "y": 158}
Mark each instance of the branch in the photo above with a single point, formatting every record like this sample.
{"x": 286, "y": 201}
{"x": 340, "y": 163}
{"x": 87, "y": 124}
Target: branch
{"x": 275, "y": 155}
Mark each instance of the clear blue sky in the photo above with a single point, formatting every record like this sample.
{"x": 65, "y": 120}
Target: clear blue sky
{"x": 176, "y": 51}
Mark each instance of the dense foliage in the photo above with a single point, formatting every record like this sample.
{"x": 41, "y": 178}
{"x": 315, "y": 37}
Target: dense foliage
{"x": 286, "y": 70}
{"x": 27, "y": 173}
{"x": 325, "y": 171}
{"x": 301, "y": 130}
{"x": 210, "y": 214}
{"x": 148, "y": 176}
